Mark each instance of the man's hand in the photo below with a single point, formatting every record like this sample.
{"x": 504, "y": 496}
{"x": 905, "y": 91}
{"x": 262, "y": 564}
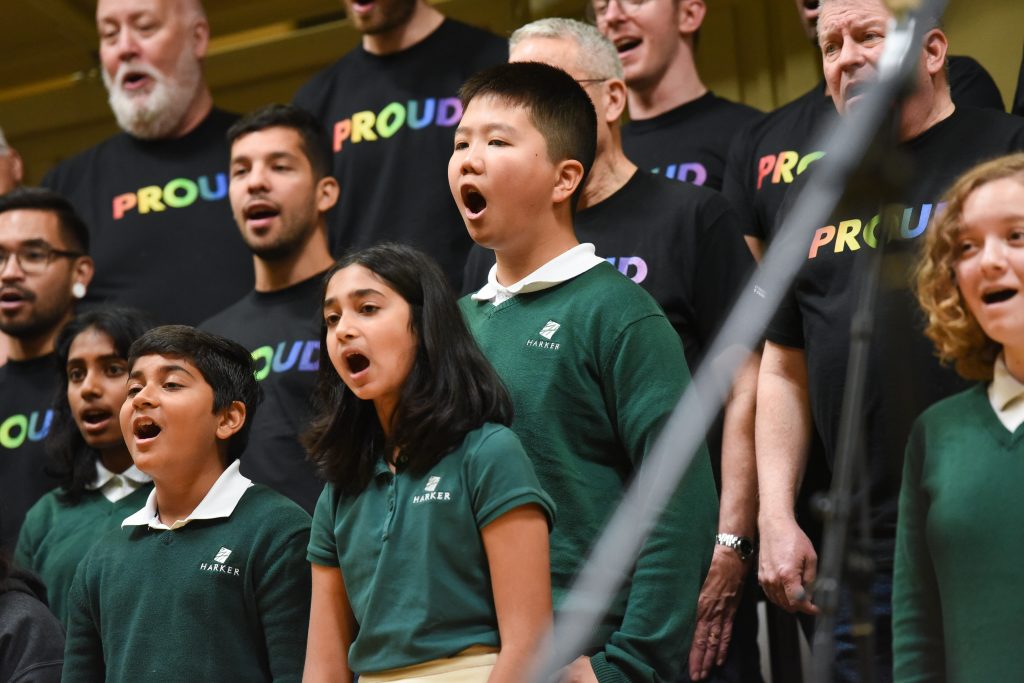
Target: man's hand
{"x": 788, "y": 565}
{"x": 716, "y": 608}
{"x": 579, "y": 671}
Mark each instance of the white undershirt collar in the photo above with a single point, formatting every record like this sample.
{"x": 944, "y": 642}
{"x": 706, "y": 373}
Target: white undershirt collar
{"x": 219, "y": 501}
{"x": 565, "y": 266}
{"x": 1005, "y": 394}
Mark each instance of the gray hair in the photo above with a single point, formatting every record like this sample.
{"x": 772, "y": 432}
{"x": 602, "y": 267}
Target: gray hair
{"x": 597, "y": 55}
{"x": 3, "y": 142}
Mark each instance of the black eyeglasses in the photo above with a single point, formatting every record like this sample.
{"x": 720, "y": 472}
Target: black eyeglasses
{"x": 34, "y": 258}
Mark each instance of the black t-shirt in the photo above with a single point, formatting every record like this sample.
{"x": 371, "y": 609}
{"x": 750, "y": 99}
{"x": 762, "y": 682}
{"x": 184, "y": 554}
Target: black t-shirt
{"x": 27, "y": 392}
{"x": 160, "y": 222}
{"x": 767, "y": 155}
{"x": 904, "y": 376}
{"x": 282, "y": 329}
{"x": 678, "y": 241}
{"x": 391, "y": 120}
{"x": 970, "y": 85}
{"x": 688, "y": 143}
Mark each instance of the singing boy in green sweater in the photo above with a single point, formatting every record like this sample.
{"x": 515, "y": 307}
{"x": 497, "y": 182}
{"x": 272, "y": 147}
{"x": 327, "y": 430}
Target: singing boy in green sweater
{"x": 591, "y": 362}
{"x": 209, "y": 580}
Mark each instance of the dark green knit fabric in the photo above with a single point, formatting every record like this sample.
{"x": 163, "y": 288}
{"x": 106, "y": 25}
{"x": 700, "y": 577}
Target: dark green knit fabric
{"x": 594, "y": 368}
{"x": 221, "y": 599}
{"x": 56, "y": 536}
{"x": 958, "y": 611}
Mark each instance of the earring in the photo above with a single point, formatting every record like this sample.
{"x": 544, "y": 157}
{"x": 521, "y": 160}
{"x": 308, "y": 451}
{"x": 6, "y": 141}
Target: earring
{"x": 78, "y": 290}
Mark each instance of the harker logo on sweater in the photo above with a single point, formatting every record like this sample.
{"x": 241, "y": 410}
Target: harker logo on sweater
{"x": 548, "y": 331}
{"x": 218, "y": 566}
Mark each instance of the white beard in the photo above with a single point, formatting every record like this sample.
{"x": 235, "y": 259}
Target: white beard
{"x": 154, "y": 114}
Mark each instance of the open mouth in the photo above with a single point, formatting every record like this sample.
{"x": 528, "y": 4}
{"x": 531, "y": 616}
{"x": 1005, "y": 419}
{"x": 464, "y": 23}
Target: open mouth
{"x": 260, "y": 215}
{"x": 96, "y": 417}
{"x": 998, "y": 296}
{"x": 474, "y": 201}
{"x": 12, "y": 297}
{"x": 626, "y": 44}
{"x": 133, "y": 80}
{"x": 145, "y": 429}
{"x": 357, "y": 362}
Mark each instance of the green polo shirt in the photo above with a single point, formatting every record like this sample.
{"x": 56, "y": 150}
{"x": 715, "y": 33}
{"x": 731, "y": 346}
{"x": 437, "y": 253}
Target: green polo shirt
{"x": 411, "y": 554}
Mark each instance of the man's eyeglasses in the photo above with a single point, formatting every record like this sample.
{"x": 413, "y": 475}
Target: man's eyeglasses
{"x": 588, "y": 81}
{"x": 33, "y": 259}
{"x": 600, "y": 7}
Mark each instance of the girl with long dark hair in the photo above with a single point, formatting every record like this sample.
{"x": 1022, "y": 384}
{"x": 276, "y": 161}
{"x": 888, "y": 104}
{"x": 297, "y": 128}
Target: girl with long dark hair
{"x": 429, "y": 545}
{"x": 99, "y": 485}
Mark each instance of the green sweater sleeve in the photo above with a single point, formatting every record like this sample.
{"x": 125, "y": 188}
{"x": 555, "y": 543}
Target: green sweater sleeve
{"x": 918, "y": 653}
{"x": 643, "y": 378}
{"x": 83, "y": 650}
{"x": 282, "y": 598}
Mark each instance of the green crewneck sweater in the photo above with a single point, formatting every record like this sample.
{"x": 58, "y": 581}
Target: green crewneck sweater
{"x": 958, "y": 608}
{"x": 216, "y": 600}
{"x": 594, "y": 369}
{"x": 56, "y": 536}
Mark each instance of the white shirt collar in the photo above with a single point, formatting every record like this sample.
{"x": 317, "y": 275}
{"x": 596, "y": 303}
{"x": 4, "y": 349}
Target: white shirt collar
{"x": 1004, "y": 393}
{"x": 565, "y": 266}
{"x": 219, "y": 501}
{"x": 103, "y": 476}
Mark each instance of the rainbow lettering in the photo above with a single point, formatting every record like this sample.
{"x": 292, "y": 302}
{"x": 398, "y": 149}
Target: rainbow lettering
{"x": 624, "y": 263}
{"x": 267, "y": 358}
{"x": 16, "y": 428}
{"x": 780, "y": 166}
{"x": 367, "y": 126}
{"x": 176, "y": 194}
{"x": 692, "y": 172}
{"x": 850, "y": 235}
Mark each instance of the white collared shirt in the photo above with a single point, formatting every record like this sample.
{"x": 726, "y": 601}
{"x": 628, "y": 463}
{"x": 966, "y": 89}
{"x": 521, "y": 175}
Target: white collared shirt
{"x": 1006, "y": 394}
{"x": 565, "y": 266}
{"x": 219, "y": 501}
{"x": 116, "y": 486}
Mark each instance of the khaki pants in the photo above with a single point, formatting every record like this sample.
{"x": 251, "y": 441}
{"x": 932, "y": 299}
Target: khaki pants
{"x": 472, "y": 665}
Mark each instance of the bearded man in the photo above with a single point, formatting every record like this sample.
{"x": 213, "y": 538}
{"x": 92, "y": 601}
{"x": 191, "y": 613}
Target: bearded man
{"x": 155, "y": 197}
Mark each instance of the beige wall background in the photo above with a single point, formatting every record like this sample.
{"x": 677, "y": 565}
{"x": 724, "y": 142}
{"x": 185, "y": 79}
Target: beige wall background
{"x": 53, "y": 104}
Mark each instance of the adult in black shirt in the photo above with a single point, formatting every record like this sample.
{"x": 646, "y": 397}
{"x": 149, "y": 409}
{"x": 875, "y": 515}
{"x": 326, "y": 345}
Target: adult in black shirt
{"x": 1018, "y": 97}
{"x": 770, "y": 153}
{"x": 678, "y": 128}
{"x": 155, "y": 196}
{"x": 281, "y": 190}
{"x": 43, "y": 268}
{"x": 803, "y": 372}
{"x": 682, "y": 244}
{"x": 390, "y": 107}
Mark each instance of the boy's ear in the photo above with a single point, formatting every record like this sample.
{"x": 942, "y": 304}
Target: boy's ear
{"x": 570, "y": 175}
{"x": 230, "y": 420}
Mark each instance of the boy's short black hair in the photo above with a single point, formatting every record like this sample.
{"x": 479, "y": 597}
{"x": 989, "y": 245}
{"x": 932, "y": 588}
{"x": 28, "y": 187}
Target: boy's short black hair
{"x": 314, "y": 139}
{"x": 225, "y": 365}
{"x": 557, "y": 106}
{"x": 72, "y": 227}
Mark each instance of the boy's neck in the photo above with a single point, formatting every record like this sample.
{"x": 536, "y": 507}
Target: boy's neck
{"x": 545, "y": 245}
{"x": 178, "y": 497}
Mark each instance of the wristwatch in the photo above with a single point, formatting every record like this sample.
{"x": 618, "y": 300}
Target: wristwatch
{"x": 743, "y": 546}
